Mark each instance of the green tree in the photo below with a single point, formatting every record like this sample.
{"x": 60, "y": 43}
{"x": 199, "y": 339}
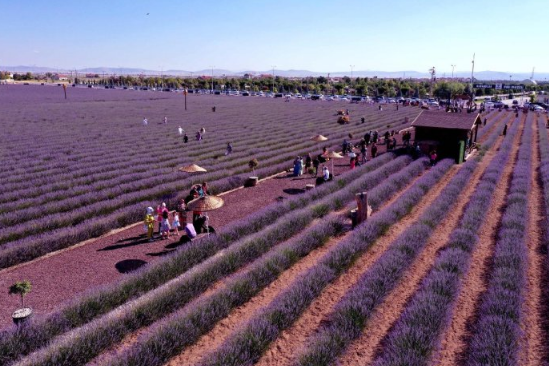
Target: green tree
{"x": 21, "y": 288}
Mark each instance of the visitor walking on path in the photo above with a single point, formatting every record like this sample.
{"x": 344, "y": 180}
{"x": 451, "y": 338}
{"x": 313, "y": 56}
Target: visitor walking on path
{"x": 316, "y": 163}
{"x": 165, "y": 120}
{"x": 149, "y": 223}
{"x": 185, "y": 139}
{"x": 180, "y": 130}
{"x": 374, "y": 150}
{"x": 297, "y": 166}
{"x": 364, "y": 152}
{"x": 308, "y": 162}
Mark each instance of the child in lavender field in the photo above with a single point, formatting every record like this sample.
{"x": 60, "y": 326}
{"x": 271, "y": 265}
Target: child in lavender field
{"x": 176, "y": 223}
{"x": 149, "y": 223}
{"x": 165, "y": 226}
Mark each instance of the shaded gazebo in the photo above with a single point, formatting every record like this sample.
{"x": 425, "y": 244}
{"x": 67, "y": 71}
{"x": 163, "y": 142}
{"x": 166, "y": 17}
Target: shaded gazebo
{"x": 447, "y": 133}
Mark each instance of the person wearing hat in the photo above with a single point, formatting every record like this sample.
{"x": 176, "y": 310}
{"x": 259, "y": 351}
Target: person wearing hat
{"x": 149, "y": 223}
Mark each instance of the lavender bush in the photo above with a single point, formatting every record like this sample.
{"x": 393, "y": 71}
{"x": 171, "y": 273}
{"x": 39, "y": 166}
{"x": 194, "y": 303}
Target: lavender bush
{"x": 417, "y": 331}
{"x": 497, "y": 330}
{"x": 355, "y": 308}
{"x": 287, "y": 306}
{"x": 180, "y": 292}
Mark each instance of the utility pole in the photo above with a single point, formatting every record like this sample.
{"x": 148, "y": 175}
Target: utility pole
{"x": 212, "y": 86}
{"x": 433, "y": 73}
{"x": 472, "y": 77}
{"x": 273, "y": 77}
{"x": 453, "y": 67}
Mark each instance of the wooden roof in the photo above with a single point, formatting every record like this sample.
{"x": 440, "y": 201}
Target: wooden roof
{"x": 442, "y": 119}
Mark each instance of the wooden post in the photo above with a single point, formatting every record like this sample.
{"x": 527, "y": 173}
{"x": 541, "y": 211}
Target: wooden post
{"x": 362, "y": 203}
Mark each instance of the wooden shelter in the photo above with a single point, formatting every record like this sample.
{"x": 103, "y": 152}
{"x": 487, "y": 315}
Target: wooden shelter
{"x": 447, "y": 133}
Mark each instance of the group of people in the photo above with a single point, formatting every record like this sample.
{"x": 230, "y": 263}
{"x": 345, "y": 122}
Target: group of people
{"x": 173, "y": 221}
{"x": 311, "y": 165}
{"x": 163, "y": 219}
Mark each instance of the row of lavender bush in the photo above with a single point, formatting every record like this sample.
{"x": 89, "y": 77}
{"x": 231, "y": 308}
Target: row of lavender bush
{"x": 247, "y": 344}
{"x": 492, "y": 118}
{"x": 67, "y": 177}
{"x": 355, "y": 308}
{"x": 95, "y": 223}
{"x": 90, "y": 340}
{"x": 164, "y": 340}
{"x": 267, "y": 141}
{"x": 489, "y": 142}
{"x": 417, "y": 331}
{"x": 544, "y": 178}
{"x": 56, "y": 224}
{"x": 496, "y": 333}
{"x": 72, "y": 210}
{"x": 33, "y": 335}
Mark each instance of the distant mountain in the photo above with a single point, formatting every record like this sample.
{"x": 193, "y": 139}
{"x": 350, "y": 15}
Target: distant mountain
{"x": 479, "y": 75}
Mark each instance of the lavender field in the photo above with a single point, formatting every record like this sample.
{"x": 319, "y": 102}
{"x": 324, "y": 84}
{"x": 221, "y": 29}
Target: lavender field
{"x": 448, "y": 270}
{"x": 80, "y": 167}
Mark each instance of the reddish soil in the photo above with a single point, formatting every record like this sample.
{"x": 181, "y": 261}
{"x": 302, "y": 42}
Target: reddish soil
{"x": 532, "y": 344}
{"x": 453, "y": 343}
{"x": 286, "y": 348}
{"x": 60, "y": 276}
{"x": 363, "y": 350}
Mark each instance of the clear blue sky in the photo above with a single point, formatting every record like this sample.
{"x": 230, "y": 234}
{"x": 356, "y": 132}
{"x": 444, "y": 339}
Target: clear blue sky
{"x": 238, "y": 35}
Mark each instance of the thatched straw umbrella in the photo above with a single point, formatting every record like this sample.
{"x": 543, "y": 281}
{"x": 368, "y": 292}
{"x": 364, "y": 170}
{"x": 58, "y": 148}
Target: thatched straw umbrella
{"x": 334, "y": 155}
{"x": 319, "y": 138}
{"x": 206, "y": 203}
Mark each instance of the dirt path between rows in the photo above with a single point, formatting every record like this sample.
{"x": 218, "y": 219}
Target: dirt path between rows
{"x": 363, "y": 350}
{"x": 454, "y": 338}
{"x": 223, "y": 329}
{"x": 532, "y": 351}
{"x": 291, "y": 341}
{"x": 60, "y": 277}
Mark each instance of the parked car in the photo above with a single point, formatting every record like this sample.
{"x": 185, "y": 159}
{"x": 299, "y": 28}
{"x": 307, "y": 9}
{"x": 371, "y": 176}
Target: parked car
{"x": 498, "y": 104}
{"x": 515, "y": 102}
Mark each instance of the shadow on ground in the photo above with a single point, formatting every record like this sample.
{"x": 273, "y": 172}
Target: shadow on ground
{"x": 129, "y": 265}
